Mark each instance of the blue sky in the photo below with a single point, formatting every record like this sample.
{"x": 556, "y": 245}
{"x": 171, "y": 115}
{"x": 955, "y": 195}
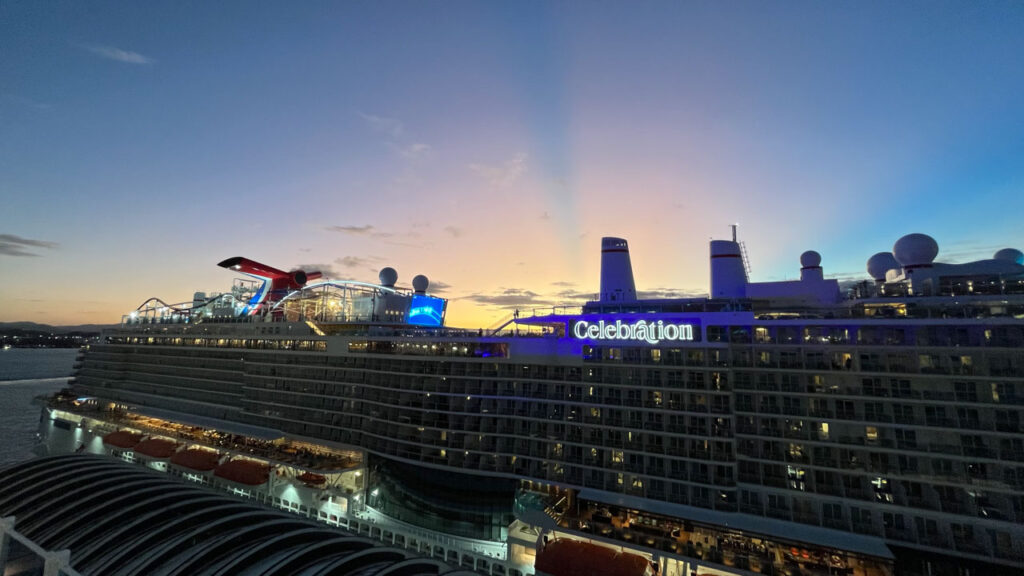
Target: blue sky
{"x": 491, "y": 145}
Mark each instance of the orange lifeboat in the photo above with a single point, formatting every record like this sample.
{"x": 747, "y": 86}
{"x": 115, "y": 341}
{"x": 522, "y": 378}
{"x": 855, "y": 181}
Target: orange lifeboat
{"x": 244, "y": 471}
{"x": 158, "y": 448}
{"x": 312, "y": 479}
{"x": 564, "y": 557}
{"x": 122, "y": 439}
{"x": 196, "y": 459}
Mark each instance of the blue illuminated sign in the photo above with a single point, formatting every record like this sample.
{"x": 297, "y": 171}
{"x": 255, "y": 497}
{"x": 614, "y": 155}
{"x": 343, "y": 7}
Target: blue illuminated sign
{"x": 650, "y": 330}
{"x": 425, "y": 311}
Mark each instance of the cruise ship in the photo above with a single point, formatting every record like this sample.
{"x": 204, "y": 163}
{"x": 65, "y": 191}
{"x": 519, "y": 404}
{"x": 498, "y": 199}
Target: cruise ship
{"x": 800, "y": 427}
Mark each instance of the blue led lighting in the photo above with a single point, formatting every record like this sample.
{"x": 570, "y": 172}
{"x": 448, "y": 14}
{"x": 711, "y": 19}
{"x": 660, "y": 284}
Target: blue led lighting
{"x": 425, "y": 311}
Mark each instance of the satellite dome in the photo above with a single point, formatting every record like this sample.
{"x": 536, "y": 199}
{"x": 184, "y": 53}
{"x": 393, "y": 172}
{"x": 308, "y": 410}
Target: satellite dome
{"x": 1010, "y": 255}
{"x": 388, "y": 276}
{"x": 810, "y": 259}
{"x": 420, "y": 283}
{"x": 915, "y": 250}
{"x": 881, "y": 263}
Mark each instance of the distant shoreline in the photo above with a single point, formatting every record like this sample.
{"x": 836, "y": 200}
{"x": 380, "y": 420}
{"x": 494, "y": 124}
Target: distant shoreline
{"x": 49, "y": 380}
{"x": 46, "y": 346}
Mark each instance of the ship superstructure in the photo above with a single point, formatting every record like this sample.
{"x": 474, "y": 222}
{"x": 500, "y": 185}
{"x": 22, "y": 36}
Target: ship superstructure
{"x": 775, "y": 427}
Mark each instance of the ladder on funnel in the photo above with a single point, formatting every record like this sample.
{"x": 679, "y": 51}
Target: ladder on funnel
{"x": 746, "y": 260}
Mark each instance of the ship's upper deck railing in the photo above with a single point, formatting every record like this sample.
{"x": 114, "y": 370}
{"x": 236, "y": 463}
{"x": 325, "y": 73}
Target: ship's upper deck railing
{"x": 944, "y": 286}
{"x": 538, "y": 321}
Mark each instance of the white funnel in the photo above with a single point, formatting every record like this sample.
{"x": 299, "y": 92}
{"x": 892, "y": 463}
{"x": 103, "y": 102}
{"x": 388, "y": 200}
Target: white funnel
{"x": 616, "y": 271}
{"x": 728, "y": 276}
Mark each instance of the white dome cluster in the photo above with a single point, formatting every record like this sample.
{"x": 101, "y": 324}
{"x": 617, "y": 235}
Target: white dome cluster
{"x": 881, "y": 263}
{"x": 915, "y": 250}
{"x": 919, "y": 251}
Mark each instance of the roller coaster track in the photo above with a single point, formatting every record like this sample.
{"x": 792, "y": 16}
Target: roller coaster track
{"x": 180, "y": 308}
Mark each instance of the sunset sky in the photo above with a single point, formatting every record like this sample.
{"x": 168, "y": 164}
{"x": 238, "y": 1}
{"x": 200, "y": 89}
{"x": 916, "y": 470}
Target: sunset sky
{"x": 491, "y": 145}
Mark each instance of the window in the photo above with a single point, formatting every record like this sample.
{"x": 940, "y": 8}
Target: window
{"x": 873, "y": 387}
{"x": 861, "y": 516}
{"x": 965, "y": 392}
{"x": 900, "y": 388}
{"x": 874, "y": 412}
{"x": 906, "y": 438}
{"x": 903, "y": 413}
{"x": 832, "y": 511}
{"x": 892, "y": 521}
{"x": 871, "y": 434}
{"x": 1003, "y": 392}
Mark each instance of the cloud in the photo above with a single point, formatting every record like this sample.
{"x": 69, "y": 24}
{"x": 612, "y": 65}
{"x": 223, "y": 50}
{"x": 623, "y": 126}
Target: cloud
{"x": 571, "y": 295}
{"x": 563, "y": 284}
{"x": 11, "y": 245}
{"x": 454, "y": 231}
{"x": 510, "y": 298}
{"x": 368, "y": 230}
{"x": 961, "y": 252}
{"x": 364, "y": 230}
{"x": 390, "y": 126}
{"x": 658, "y": 293}
{"x": 415, "y": 151}
{"x": 505, "y": 174}
{"x": 356, "y": 261}
{"x": 438, "y": 287}
{"x": 326, "y": 269}
{"x": 396, "y": 139}
{"x": 118, "y": 55}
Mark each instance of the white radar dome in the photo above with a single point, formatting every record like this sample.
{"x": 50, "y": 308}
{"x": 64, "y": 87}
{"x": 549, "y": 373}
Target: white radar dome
{"x": 915, "y": 249}
{"x": 810, "y": 259}
{"x": 388, "y": 276}
{"x": 881, "y": 263}
{"x": 420, "y": 283}
{"x": 1010, "y": 255}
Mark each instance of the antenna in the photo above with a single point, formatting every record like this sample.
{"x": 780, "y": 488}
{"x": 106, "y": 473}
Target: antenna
{"x": 734, "y": 226}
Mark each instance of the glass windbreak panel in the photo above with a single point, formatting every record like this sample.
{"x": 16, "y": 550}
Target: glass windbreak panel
{"x": 449, "y": 502}
{"x": 427, "y": 348}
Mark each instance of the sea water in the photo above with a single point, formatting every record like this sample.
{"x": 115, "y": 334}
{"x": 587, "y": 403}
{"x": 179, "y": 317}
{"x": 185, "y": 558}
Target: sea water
{"x": 24, "y": 374}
